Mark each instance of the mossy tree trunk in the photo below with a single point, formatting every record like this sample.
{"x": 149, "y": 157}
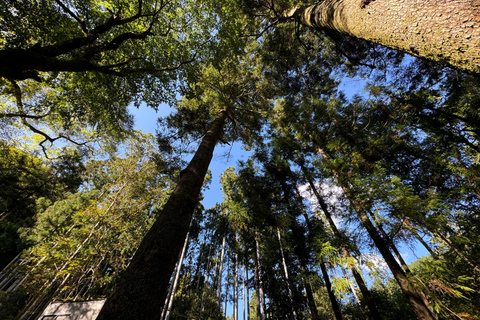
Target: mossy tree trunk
{"x": 444, "y": 31}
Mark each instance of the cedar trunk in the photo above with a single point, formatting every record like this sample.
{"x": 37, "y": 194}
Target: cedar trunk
{"x": 439, "y": 30}
{"x": 358, "y": 278}
{"x": 143, "y": 286}
{"x": 331, "y": 294}
{"x": 416, "y": 299}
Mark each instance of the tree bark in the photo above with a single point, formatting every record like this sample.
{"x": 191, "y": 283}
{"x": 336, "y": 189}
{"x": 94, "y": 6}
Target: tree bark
{"x": 220, "y": 271}
{"x": 331, "y": 295}
{"x": 287, "y": 280}
{"x": 235, "y": 301}
{"x": 416, "y": 299}
{"x": 175, "y": 281}
{"x": 438, "y": 30}
{"x": 358, "y": 278}
{"x": 144, "y": 284}
{"x": 260, "y": 283}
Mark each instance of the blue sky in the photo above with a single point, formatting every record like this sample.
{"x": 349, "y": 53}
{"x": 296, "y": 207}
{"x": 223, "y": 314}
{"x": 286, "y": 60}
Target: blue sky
{"x": 224, "y": 156}
{"x": 227, "y": 156}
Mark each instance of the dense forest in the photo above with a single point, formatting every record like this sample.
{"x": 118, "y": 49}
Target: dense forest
{"x": 338, "y": 182}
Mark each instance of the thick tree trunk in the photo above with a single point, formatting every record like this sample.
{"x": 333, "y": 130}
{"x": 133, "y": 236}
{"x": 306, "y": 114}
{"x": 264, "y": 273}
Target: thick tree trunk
{"x": 445, "y": 31}
{"x": 144, "y": 284}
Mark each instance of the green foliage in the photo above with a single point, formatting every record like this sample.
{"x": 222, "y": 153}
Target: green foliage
{"x": 79, "y": 245}
{"x": 79, "y": 64}
{"x": 195, "y": 304}
{"x": 26, "y": 184}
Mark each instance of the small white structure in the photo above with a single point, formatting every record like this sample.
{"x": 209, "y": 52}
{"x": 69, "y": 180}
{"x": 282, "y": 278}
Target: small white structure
{"x": 81, "y": 310}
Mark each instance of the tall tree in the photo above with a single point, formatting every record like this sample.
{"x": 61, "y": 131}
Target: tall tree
{"x": 228, "y": 91}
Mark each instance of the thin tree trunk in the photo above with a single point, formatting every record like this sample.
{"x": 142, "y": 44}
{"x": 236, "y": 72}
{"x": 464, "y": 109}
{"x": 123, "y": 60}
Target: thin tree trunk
{"x": 144, "y": 284}
{"x": 220, "y": 271}
{"x": 390, "y": 243}
{"x": 358, "y": 278}
{"x": 464, "y": 258}
{"x": 256, "y": 258}
{"x": 444, "y": 31}
{"x": 248, "y": 294}
{"x": 285, "y": 270}
{"x": 260, "y": 281}
{"x": 244, "y": 275}
{"x": 301, "y": 248}
{"x": 415, "y": 299}
{"x": 226, "y": 292}
{"x": 310, "y": 299}
{"x": 205, "y": 282}
{"x": 177, "y": 276}
{"x": 170, "y": 290}
{"x": 236, "y": 285}
{"x": 412, "y": 230}
{"x": 331, "y": 295}
{"x": 352, "y": 288}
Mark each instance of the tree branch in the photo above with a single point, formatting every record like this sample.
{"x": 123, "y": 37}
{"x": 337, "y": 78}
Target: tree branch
{"x": 78, "y": 42}
{"x": 22, "y": 115}
{"x": 74, "y": 16}
{"x": 17, "y": 91}
{"x": 115, "y": 43}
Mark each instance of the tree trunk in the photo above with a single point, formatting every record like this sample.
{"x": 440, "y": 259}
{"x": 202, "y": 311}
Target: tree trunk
{"x": 235, "y": 309}
{"x": 331, "y": 295}
{"x": 244, "y": 276}
{"x": 352, "y": 287}
{"x": 177, "y": 276}
{"x": 285, "y": 270}
{"x": 416, "y": 299}
{"x": 260, "y": 282}
{"x": 220, "y": 271}
{"x": 358, "y": 278}
{"x": 444, "y": 31}
{"x": 414, "y": 232}
{"x": 144, "y": 284}
{"x": 226, "y": 291}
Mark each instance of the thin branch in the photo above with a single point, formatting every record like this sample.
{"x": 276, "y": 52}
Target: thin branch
{"x": 22, "y": 115}
{"x": 76, "y": 43}
{"x": 18, "y": 96}
{"x": 115, "y": 43}
{"x": 74, "y": 16}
